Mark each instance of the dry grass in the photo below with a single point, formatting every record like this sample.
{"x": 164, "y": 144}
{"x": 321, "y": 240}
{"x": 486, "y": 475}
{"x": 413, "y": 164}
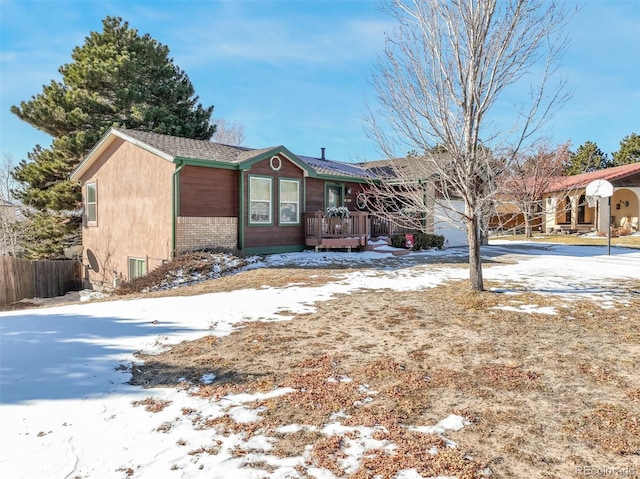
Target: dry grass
{"x": 151, "y": 404}
{"x": 189, "y": 267}
{"x": 629, "y": 241}
{"x": 544, "y": 394}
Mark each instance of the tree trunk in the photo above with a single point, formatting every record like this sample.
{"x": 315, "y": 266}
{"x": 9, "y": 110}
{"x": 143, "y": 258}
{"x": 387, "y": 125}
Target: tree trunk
{"x": 475, "y": 263}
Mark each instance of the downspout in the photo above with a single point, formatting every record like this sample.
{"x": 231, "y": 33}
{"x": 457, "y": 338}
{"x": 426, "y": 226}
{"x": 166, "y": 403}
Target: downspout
{"x": 175, "y": 204}
{"x": 241, "y": 212}
{"x": 304, "y": 193}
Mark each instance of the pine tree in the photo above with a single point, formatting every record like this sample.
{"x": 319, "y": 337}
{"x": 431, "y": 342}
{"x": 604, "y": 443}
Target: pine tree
{"x": 588, "y": 157}
{"x": 117, "y": 78}
{"x": 629, "y": 151}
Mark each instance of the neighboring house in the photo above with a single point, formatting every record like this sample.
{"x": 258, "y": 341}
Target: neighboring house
{"x": 444, "y": 212}
{"x": 148, "y": 197}
{"x": 567, "y": 209}
{"x": 508, "y": 218}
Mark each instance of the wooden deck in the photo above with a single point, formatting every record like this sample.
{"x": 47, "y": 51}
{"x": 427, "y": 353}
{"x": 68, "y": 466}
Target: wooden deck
{"x": 350, "y": 233}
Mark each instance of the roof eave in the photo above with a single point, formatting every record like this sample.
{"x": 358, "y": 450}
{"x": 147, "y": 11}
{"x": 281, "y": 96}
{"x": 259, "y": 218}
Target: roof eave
{"x": 206, "y": 163}
{"x": 353, "y": 179}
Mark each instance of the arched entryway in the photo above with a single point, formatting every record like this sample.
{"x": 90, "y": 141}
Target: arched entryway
{"x": 586, "y": 214}
{"x": 563, "y": 211}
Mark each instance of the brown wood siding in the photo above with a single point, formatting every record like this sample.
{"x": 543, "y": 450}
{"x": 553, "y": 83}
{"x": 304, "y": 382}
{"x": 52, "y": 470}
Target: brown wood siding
{"x": 287, "y": 169}
{"x": 275, "y": 235}
{"x": 208, "y": 192}
{"x": 316, "y": 194}
{"x": 350, "y": 198}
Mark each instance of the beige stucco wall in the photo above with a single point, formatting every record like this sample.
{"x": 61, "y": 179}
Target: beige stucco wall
{"x": 133, "y": 212}
{"x": 206, "y": 232}
{"x": 625, "y": 202}
{"x": 627, "y": 197}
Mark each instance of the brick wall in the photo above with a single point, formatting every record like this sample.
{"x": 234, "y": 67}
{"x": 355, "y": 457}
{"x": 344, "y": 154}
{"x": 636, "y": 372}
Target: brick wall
{"x": 206, "y": 232}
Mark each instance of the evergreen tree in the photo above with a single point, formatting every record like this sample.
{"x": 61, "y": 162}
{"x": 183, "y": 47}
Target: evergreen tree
{"x": 117, "y": 78}
{"x": 629, "y": 151}
{"x": 588, "y": 157}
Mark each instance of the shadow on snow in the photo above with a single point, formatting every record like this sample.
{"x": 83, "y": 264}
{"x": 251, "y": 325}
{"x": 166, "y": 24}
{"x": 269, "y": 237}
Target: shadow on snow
{"x": 44, "y": 355}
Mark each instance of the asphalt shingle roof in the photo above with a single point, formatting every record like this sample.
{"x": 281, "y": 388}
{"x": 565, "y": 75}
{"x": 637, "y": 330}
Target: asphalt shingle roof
{"x": 207, "y": 150}
{"x": 329, "y": 167}
{"x": 188, "y": 148}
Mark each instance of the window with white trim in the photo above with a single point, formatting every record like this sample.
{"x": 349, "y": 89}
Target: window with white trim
{"x": 260, "y": 200}
{"x": 91, "y": 203}
{"x": 289, "y": 202}
{"x": 137, "y": 268}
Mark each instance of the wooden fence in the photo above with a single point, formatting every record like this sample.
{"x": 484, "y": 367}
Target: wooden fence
{"x": 20, "y": 278}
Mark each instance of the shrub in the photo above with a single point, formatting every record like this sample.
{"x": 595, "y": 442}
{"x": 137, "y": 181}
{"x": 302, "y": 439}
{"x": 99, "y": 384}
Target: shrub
{"x": 421, "y": 241}
{"x": 338, "y": 211}
{"x": 186, "y": 268}
{"x": 616, "y": 232}
{"x": 398, "y": 241}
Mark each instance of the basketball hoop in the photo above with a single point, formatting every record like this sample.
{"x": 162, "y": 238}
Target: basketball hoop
{"x": 601, "y": 189}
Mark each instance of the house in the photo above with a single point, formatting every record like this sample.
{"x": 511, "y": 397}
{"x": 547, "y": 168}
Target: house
{"x": 567, "y": 208}
{"x": 563, "y": 206}
{"x": 412, "y": 182}
{"x": 147, "y": 197}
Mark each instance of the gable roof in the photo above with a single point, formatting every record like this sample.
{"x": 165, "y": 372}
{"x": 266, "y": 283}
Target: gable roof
{"x": 177, "y": 147}
{"x": 207, "y": 153}
{"x": 580, "y": 181}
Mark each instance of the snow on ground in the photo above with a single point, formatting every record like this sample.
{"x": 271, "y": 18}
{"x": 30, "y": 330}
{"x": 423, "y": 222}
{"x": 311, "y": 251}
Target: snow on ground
{"x": 66, "y": 409}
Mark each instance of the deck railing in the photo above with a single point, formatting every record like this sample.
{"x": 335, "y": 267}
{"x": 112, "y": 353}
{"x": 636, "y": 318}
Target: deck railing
{"x": 359, "y": 224}
{"x": 317, "y": 225}
{"x": 386, "y": 227}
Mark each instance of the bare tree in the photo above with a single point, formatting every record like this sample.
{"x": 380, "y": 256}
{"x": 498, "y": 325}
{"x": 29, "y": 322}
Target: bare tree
{"x": 228, "y": 133}
{"x": 444, "y": 67}
{"x": 11, "y": 227}
{"x": 401, "y": 193}
{"x": 523, "y": 183}
{"x": 7, "y": 183}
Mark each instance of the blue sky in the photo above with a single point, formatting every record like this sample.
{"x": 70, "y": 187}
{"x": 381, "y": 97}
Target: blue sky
{"x": 297, "y": 72}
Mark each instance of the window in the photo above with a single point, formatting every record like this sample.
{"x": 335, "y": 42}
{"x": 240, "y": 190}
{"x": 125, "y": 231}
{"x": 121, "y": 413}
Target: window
{"x": 259, "y": 200}
{"x": 289, "y": 202}
{"x": 91, "y": 204}
{"x": 334, "y": 196}
{"x": 137, "y": 268}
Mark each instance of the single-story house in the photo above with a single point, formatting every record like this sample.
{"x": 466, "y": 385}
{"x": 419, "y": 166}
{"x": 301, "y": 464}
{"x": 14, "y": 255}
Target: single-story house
{"x": 566, "y": 208}
{"x": 147, "y": 197}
